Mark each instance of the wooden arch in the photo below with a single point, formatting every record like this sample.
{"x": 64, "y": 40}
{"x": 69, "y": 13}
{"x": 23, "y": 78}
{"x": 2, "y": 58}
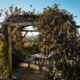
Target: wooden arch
{"x": 14, "y": 22}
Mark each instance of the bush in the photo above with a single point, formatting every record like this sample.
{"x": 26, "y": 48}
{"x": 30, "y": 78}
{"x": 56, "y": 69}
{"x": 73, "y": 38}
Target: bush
{"x": 18, "y": 55}
{"x": 3, "y": 65}
{"x": 58, "y": 30}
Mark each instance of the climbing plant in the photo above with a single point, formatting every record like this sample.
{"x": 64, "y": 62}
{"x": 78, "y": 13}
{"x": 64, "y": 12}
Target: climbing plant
{"x": 4, "y": 55}
{"x": 58, "y": 34}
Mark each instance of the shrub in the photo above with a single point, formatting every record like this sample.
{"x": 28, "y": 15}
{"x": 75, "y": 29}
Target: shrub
{"x": 3, "y": 64}
{"x": 18, "y": 54}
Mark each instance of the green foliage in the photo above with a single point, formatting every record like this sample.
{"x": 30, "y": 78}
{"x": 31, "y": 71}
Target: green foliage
{"x": 58, "y": 33}
{"x": 1, "y": 44}
{"x": 4, "y": 52}
{"x": 67, "y": 59}
{"x": 18, "y": 54}
{"x": 3, "y": 64}
{"x": 53, "y": 23}
{"x": 32, "y": 48}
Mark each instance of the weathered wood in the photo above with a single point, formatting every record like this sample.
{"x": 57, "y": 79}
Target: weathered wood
{"x": 19, "y": 24}
{"x": 29, "y": 30}
{"x": 2, "y": 23}
{"x": 25, "y": 34}
{"x": 17, "y": 27}
{"x": 77, "y": 26}
{"x": 14, "y": 30}
{"x": 10, "y": 51}
{"x": 24, "y": 24}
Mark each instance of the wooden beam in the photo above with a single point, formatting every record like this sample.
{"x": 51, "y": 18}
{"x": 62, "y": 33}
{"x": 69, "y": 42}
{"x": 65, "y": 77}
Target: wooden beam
{"x": 24, "y": 24}
{"x": 25, "y": 34}
{"x": 29, "y": 30}
{"x": 2, "y": 23}
{"x": 14, "y": 30}
{"x": 10, "y": 52}
{"x": 77, "y": 26}
{"x": 20, "y": 24}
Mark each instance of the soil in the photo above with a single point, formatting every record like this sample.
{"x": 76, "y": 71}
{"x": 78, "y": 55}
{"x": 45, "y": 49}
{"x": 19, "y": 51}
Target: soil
{"x": 30, "y": 74}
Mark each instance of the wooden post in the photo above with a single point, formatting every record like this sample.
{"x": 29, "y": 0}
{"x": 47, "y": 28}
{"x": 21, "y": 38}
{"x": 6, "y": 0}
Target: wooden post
{"x": 25, "y": 34}
{"x": 10, "y": 52}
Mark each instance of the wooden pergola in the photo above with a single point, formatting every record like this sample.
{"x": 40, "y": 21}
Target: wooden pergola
{"x": 11, "y": 33}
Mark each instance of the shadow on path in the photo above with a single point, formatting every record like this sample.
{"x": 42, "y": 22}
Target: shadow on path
{"x": 24, "y": 73}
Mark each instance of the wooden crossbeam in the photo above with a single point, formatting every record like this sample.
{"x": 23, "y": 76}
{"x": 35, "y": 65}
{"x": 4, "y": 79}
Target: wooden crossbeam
{"x": 2, "y": 23}
{"x": 25, "y": 34}
{"x": 29, "y": 30}
{"x": 77, "y": 26}
{"x": 24, "y": 24}
{"x": 20, "y": 24}
{"x": 14, "y": 30}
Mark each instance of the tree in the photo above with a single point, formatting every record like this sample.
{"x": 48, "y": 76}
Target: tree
{"x": 58, "y": 34}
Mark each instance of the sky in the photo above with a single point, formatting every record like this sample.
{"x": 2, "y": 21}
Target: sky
{"x": 72, "y": 6}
